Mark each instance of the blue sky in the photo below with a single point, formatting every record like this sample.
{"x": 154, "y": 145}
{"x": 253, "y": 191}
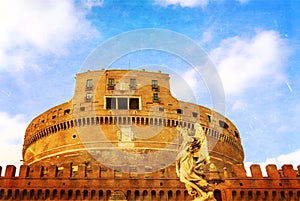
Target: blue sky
{"x": 254, "y": 45}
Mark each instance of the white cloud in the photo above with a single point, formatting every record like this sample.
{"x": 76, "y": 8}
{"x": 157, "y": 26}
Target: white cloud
{"x": 12, "y": 131}
{"x": 245, "y": 63}
{"x": 243, "y": 1}
{"x": 292, "y": 158}
{"x": 34, "y": 27}
{"x": 183, "y": 3}
{"x": 93, "y": 3}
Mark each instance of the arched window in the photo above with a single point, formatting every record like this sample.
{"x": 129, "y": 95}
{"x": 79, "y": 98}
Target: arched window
{"x": 40, "y": 194}
{"x": 282, "y": 194}
{"x": 108, "y": 194}
{"x": 233, "y": 195}
{"x": 62, "y": 194}
{"x": 93, "y": 195}
{"x": 24, "y": 195}
{"x": 274, "y": 195}
{"x": 85, "y": 195}
{"x": 31, "y": 194}
{"x": 54, "y": 194}
{"x": 128, "y": 195}
{"x": 70, "y": 195}
{"x": 145, "y": 195}
{"x": 186, "y": 195}
{"x": 47, "y": 194}
{"x": 153, "y": 195}
{"x": 77, "y": 195}
{"x": 9, "y": 194}
{"x": 290, "y": 195}
{"x": 170, "y": 195}
{"x": 17, "y": 194}
{"x": 258, "y": 195}
{"x": 100, "y": 194}
{"x": 242, "y": 195}
{"x": 161, "y": 195}
{"x": 136, "y": 195}
{"x": 178, "y": 193}
{"x": 142, "y": 121}
{"x": 218, "y": 195}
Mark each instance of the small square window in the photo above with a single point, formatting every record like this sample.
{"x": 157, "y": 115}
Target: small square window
{"x": 195, "y": 114}
{"x": 88, "y": 96}
{"x": 82, "y": 108}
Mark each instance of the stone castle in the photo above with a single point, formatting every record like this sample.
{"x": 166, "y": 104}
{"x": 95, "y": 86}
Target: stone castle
{"x": 118, "y": 139}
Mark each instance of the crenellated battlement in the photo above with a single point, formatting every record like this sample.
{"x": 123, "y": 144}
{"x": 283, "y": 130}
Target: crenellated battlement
{"x": 98, "y": 171}
{"x": 286, "y": 171}
{"x": 83, "y": 171}
{"x": 96, "y": 182}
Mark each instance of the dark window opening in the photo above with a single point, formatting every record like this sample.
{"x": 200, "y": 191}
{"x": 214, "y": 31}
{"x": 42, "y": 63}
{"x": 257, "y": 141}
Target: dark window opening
{"x": 111, "y": 83}
{"x": 82, "y": 108}
{"x": 154, "y": 84}
{"x": 155, "y": 97}
{"x": 111, "y": 103}
{"x": 122, "y": 103}
{"x": 67, "y": 111}
{"x": 179, "y": 111}
{"x": 236, "y": 134}
{"x": 209, "y": 118}
{"x": 218, "y": 195}
{"x": 134, "y": 103}
{"x": 161, "y": 109}
{"x": 54, "y": 116}
{"x": 88, "y": 96}
{"x": 223, "y": 124}
{"x": 195, "y": 114}
{"x": 133, "y": 84}
{"x": 89, "y": 84}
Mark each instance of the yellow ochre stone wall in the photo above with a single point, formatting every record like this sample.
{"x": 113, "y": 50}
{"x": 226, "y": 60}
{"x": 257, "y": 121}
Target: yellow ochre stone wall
{"x": 65, "y": 132}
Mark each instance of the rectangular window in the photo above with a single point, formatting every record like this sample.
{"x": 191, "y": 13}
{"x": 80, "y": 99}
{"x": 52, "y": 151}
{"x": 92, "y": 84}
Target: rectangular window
{"x": 111, "y": 83}
{"x": 89, "y": 84}
{"x": 111, "y": 103}
{"x": 195, "y": 114}
{"x": 209, "y": 118}
{"x": 134, "y": 103}
{"x": 179, "y": 111}
{"x": 133, "y": 84}
{"x": 122, "y": 103}
{"x": 88, "y": 96}
{"x": 155, "y": 97}
{"x": 154, "y": 84}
